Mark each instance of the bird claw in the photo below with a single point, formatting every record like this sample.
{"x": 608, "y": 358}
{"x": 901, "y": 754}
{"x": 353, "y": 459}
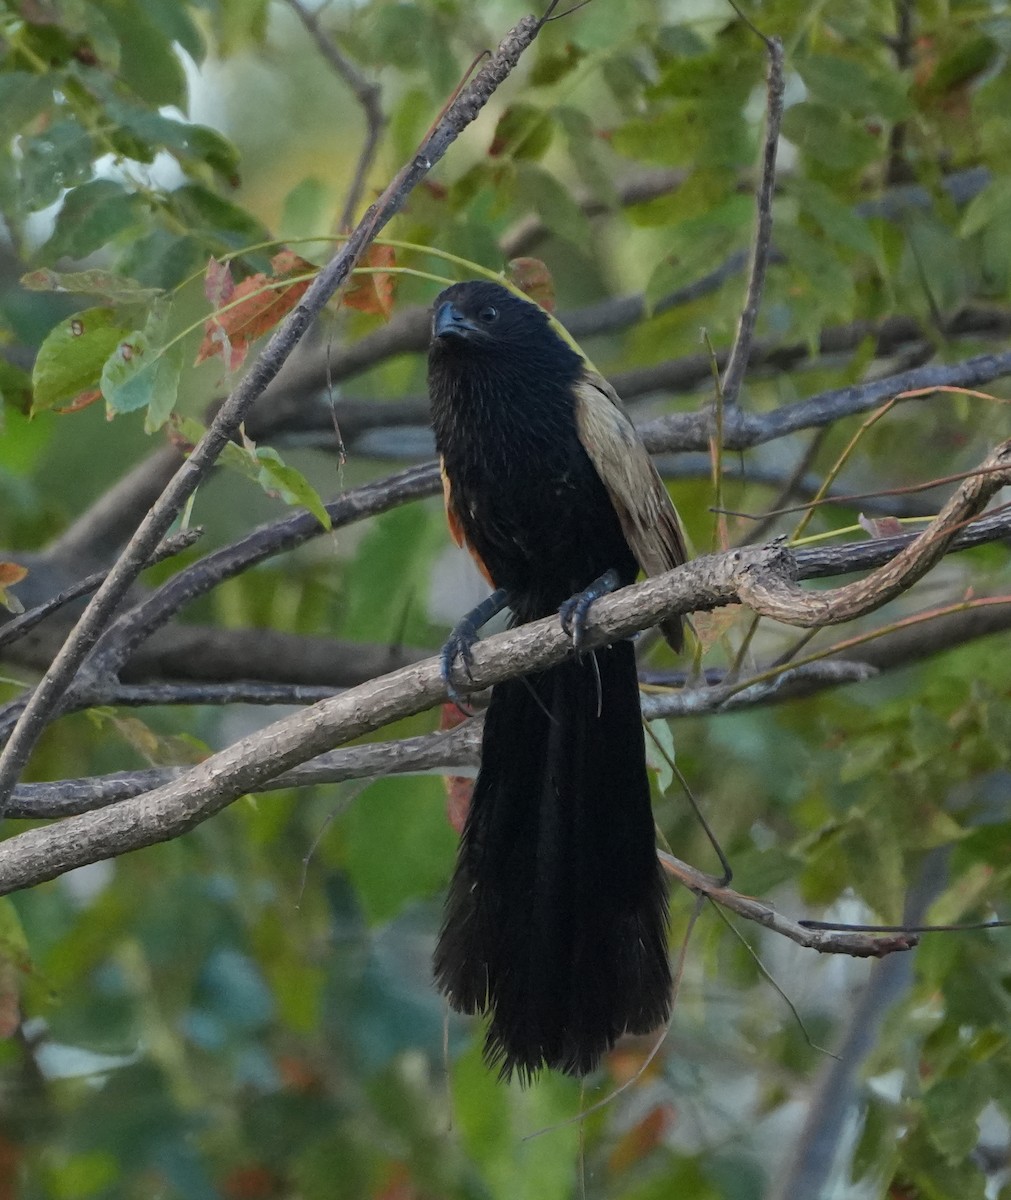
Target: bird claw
{"x": 458, "y": 648}
{"x": 573, "y": 614}
{"x": 576, "y": 609}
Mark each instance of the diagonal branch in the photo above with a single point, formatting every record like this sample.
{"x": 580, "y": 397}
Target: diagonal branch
{"x": 463, "y": 110}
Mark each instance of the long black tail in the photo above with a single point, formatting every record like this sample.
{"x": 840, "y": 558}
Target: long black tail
{"x": 556, "y": 920}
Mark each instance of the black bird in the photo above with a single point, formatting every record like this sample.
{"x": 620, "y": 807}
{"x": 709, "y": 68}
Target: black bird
{"x": 556, "y": 920}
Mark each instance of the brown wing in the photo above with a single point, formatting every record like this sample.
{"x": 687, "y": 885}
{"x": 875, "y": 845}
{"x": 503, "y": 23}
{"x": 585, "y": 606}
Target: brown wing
{"x": 456, "y": 525}
{"x": 648, "y": 519}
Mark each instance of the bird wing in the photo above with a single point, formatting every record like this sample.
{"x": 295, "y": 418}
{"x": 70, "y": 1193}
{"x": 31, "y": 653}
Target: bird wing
{"x": 648, "y": 518}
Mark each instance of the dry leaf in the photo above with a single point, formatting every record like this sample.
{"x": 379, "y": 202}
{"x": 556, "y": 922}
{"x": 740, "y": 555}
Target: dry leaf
{"x": 255, "y": 307}
{"x": 373, "y": 293}
{"x": 531, "y": 276}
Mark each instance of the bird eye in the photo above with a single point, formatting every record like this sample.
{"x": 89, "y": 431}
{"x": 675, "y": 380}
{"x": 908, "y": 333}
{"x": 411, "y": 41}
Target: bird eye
{"x": 487, "y": 314}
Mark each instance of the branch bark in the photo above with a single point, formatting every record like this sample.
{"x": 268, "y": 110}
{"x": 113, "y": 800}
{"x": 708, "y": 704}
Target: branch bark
{"x": 763, "y": 575}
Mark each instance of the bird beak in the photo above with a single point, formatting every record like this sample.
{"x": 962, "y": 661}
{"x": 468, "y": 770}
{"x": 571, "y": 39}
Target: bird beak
{"x": 449, "y": 322}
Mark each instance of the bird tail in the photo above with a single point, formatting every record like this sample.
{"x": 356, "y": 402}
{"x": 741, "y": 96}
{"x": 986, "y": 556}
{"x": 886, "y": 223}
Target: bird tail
{"x": 556, "y": 921}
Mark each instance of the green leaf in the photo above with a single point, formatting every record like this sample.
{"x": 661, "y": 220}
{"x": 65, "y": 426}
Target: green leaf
{"x": 117, "y": 289}
{"x": 23, "y": 95}
{"x": 699, "y": 244}
{"x": 552, "y": 203}
{"x": 71, "y": 358}
{"x": 553, "y": 65}
{"x": 829, "y": 136}
{"x": 398, "y": 843}
{"x": 292, "y": 485}
{"x": 952, "y": 1108}
{"x": 400, "y": 545}
{"x": 15, "y": 388}
{"x": 149, "y": 65}
{"x": 143, "y": 373}
{"x": 837, "y": 220}
{"x": 162, "y": 259}
{"x": 523, "y": 131}
{"x": 176, "y": 25}
{"x": 847, "y": 84}
{"x": 211, "y": 216}
{"x": 92, "y": 215}
{"x": 709, "y": 132}
{"x": 495, "y": 1120}
{"x": 583, "y": 146}
{"x": 59, "y": 158}
{"x": 991, "y": 206}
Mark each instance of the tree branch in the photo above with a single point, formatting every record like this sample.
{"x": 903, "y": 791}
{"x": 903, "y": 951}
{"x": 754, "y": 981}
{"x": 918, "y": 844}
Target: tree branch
{"x": 365, "y": 92}
{"x": 779, "y": 598}
{"x": 457, "y": 750}
{"x": 761, "y": 245}
{"x": 762, "y": 575}
{"x": 856, "y": 945}
{"x": 11, "y": 631}
{"x": 459, "y": 114}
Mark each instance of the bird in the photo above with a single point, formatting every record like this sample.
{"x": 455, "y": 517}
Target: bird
{"x": 555, "y": 923}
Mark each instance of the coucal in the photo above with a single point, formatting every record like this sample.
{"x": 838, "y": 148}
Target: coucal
{"x": 556, "y": 919}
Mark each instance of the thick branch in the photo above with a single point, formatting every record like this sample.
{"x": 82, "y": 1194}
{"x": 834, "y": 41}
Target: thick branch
{"x": 707, "y": 582}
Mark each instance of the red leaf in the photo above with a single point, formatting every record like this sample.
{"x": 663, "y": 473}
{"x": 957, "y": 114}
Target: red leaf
{"x": 373, "y": 293}
{"x": 10, "y": 573}
{"x": 643, "y": 1138}
{"x": 253, "y": 1182}
{"x": 531, "y": 276}
{"x": 254, "y": 309}
{"x": 459, "y": 788}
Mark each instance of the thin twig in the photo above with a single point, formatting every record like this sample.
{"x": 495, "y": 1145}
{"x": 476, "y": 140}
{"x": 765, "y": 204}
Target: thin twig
{"x": 365, "y": 92}
{"x": 761, "y": 244}
{"x": 856, "y": 945}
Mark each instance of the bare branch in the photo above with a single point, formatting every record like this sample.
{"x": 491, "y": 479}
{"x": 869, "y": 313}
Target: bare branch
{"x": 408, "y": 332}
{"x": 459, "y": 114}
{"x": 856, "y": 945}
{"x": 457, "y": 750}
{"x": 129, "y": 630}
{"x": 762, "y": 576}
{"x": 365, "y": 92}
{"x": 741, "y": 431}
{"x": 16, "y": 628}
{"x": 782, "y": 600}
{"x": 726, "y": 697}
{"x": 737, "y": 365}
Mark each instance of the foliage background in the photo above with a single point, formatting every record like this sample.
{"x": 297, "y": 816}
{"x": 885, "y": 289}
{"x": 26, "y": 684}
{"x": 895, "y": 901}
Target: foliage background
{"x": 247, "y": 1012}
